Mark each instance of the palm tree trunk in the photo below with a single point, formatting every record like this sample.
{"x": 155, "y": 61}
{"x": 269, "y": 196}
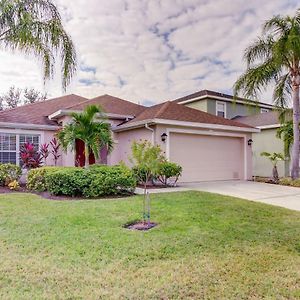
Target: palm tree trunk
{"x": 295, "y": 149}
{"x": 87, "y": 156}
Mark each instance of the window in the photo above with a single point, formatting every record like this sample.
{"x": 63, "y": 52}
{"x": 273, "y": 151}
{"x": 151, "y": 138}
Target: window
{"x": 221, "y": 109}
{"x": 11, "y": 143}
{"x": 8, "y": 148}
{"x": 264, "y": 110}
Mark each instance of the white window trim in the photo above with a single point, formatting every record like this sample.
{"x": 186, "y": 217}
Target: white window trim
{"x": 18, "y": 132}
{"x": 225, "y": 109}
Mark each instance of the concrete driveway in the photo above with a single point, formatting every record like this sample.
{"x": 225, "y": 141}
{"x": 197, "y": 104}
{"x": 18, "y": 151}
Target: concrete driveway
{"x": 288, "y": 197}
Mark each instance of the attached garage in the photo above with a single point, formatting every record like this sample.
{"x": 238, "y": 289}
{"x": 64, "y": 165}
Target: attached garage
{"x": 207, "y": 157}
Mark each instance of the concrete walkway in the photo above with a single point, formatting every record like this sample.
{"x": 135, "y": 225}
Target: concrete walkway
{"x": 288, "y": 197}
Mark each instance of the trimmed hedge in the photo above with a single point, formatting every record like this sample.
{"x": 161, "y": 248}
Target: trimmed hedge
{"x": 93, "y": 182}
{"x": 9, "y": 173}
{"x": 36, "y": 178}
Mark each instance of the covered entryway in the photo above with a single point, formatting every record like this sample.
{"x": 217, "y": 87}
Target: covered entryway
{"x": 207, "y": 157}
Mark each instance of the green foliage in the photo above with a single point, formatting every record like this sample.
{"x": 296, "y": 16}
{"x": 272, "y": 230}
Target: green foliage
{"x": 93, "y": 182}
{"x": 146, "y": 159}
{"x": 35, "y": 27}
{"x": 167, "y": 170}
{"x": 273, "y": 157}
{"x": 285, "y": 132}
{"x": 295, "y": 182}
{"x": 9, "y": 173}
{"x": 36, "y": 178}
{"x": 94, "y": 133}
{"x": 285, "y": 181}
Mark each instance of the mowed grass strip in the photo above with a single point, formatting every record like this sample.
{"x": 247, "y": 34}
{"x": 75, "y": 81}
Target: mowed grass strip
{"x": 206, "y": 246}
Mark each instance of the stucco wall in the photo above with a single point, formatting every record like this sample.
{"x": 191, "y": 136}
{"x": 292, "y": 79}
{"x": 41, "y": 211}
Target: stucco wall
{"x": 232, "y": 109}
{"x": 267, "y": 141}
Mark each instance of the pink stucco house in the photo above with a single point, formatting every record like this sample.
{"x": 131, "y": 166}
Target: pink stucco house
{"x": 208, "y": 147}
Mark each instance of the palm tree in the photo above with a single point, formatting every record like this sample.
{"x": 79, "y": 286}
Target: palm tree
{"x": 274, "y": 58}
{"x": 35, "y": 27}
{"x": 84, "y": 127}
{"x": 274, "y": 159}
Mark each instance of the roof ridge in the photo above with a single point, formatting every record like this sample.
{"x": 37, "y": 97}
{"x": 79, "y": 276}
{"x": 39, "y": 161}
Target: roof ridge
{"x": 162, "y": 109}
{"x": 38, "y": 102}
{"x": 78, "y": 103}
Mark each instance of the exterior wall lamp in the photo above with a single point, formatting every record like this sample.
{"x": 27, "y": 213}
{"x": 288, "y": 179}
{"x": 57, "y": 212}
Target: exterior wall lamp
{"x": 250, "y": 142}
{"x": 164, "y": 137}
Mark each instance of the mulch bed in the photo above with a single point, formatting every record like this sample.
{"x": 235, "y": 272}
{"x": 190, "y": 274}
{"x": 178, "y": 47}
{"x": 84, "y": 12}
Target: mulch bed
{"x": 140, "y": 225}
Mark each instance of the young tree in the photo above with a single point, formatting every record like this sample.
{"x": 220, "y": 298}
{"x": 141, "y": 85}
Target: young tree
{"x": 274, "y": 158}
{"x": 11, "y": 99}
{"x": 35, "y": 27}
{"x": 146, "y": 159}
{"x": 275, "y": 57}
{"x": 94, "y": 133}
{"x": 32, "y": 96}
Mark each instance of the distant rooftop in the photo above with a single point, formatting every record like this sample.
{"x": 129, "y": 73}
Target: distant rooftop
{"x": 209, "y": 93}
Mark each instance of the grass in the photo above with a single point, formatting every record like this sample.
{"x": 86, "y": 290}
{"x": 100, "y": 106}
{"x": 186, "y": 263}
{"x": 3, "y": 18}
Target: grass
{"x": 206, "y": 246}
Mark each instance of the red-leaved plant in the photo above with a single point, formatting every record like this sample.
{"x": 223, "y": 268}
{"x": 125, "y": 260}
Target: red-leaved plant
{"x": 30, "y": 157}
{"x": 44, "y": 152}
{"x": 55, "y": 150}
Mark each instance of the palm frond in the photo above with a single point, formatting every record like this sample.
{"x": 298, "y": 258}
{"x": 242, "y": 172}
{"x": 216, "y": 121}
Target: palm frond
{"x": 282, "y": 91}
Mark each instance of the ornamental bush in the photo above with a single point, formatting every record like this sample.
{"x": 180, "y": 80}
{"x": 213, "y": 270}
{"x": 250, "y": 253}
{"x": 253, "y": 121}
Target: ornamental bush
{"x": 285, "y": 181}
{"x": 168, "y": 170}
{"x": 9, "y": 173}
{"x": 93, "y": 182}
{"x": 36, "y": 178}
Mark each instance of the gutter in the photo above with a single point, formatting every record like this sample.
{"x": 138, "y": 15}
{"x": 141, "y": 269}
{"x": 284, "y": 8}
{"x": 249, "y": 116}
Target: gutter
{"x": 28, "y": 126}
{"x": 152, "y": 134}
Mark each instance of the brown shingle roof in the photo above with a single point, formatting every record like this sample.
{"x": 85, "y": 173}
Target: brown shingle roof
{"x": 217, "y": 94}
{"x": 37, "y": 113}
{"x": 112, "y": 105}
{"x": 177, "y": 112}
{"x": 262, "y": 119}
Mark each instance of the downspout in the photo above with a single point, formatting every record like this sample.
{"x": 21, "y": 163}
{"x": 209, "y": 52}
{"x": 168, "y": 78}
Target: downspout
{"x": 152, "y": 130}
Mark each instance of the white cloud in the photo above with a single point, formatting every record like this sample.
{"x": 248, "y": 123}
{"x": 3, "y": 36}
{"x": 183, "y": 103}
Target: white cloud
{"x": 151, "y": 50}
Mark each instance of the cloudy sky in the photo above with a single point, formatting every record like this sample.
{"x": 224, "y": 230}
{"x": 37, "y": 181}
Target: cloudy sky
{"x": 148, "y": 51}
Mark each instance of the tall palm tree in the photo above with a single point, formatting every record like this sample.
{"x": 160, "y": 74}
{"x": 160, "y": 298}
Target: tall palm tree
{"x": 84, "y": 126}
{"x": 274, "y": 58}
{"x": 35, "y": 27}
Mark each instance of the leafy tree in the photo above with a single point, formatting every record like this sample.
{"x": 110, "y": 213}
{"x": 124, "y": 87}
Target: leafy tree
{"x": 84, "y": 127}
{"x": 11, "y": 99}
{"x": 32, "y": 96}
{"x": 274, "y": 158}
{"x": 275, "y": 58}
{"x": 35, "y": 27}
{"x": 146, "y": 159}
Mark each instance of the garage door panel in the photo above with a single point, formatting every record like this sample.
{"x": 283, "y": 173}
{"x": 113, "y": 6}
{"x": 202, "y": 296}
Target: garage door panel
{"x": 205, "y": 158}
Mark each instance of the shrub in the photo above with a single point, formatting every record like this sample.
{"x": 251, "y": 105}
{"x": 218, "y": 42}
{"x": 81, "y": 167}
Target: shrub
{"x": 285, "y": 181}
{"x": 68, "y": 181}
{"x": 14, "y": 185}
{"x": 9, "y": 173}
{"x": 167, "y": 170}
{"x": 36, "y": 178}
{"x": 93, "y": 182}
{"x": 295, "y": 182}
{"x": 107, "y": 180}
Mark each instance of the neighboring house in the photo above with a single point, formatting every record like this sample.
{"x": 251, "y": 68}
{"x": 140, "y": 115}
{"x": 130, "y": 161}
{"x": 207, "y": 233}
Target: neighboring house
{"x": 223, "y": 105}
{"x": 266, "y": 140}
{"x": 207, "y": 146}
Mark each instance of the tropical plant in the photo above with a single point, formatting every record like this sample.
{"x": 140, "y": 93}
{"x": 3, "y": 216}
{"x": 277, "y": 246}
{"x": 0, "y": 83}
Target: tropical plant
{"x": 285, "y": 132}
{"x": 55, "y": 147}
{"x": 275, "y": 58}
{"x": 146, "y": 159}
{"x": 30, "y": 157}
{"x": 95, "y": 134}
{"x": 274, "y": 159}
{"x": 44, "y": 152}
{"x": 35, "y": 27}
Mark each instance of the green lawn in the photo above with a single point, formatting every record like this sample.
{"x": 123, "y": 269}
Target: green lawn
{"x": 206, "y": 246}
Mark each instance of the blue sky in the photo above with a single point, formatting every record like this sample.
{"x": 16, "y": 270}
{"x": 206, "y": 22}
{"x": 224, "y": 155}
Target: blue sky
{"x": 151, "y": 51}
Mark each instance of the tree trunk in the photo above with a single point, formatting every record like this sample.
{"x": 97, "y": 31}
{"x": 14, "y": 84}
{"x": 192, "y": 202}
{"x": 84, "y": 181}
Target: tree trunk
{"x": 275, "y": 174}
{"x": 295, "y": 149}
{"x": 87, "y": 156}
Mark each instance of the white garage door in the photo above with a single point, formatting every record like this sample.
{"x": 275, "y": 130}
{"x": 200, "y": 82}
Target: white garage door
{"x": 207, "y": 158}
